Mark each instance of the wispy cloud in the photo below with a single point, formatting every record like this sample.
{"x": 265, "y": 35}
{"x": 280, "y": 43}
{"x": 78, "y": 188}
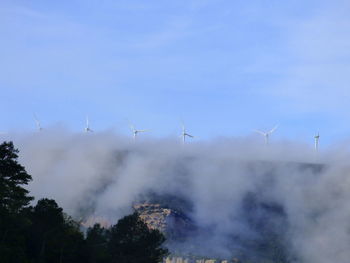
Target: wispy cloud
{"x": 317, "y": 77}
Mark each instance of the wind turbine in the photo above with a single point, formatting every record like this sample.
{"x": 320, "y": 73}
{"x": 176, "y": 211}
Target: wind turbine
{"x": 38, "y": 125}
{"x": 267, "y": 134}
{"x": 87, "y": 128}
{"x": 135, "y": 131}
{"x": 184, "y": 134}
{"x": 317, "y": 138}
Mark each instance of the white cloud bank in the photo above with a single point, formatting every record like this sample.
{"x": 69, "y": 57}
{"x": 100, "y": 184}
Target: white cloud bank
{"x": 103, "y": 174}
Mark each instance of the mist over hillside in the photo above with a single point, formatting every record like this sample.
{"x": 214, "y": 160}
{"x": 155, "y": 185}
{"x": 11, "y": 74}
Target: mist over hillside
{"x": 238, "y": 192}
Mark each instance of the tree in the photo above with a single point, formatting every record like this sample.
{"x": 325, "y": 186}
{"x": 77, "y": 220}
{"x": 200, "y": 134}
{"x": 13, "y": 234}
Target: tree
{"x": 53, "y": 236}
{"x": 13, "y": 199}
{"x": 132, "y": 241}
{"x": 44, "y": 233}
{"x": 97, "y": 242}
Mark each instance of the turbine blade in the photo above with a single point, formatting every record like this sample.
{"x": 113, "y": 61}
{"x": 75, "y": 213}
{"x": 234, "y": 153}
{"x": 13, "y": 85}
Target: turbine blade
{"x": 37, "y": 121}
{"x": 189, "y": 135}
{"x": 260, "y": 132}
{"x": 183, "y": 125}
{"x": 273, "y": 129}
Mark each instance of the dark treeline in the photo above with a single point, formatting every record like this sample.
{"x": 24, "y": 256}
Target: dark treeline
{"x": 44, "y": 233}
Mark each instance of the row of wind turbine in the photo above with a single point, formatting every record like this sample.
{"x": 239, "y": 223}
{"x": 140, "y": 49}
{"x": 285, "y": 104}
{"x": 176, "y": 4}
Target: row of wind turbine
{"x": 268, "y": 133}
{"x": 135, "y": 131}
{"x": 184, "y": 134}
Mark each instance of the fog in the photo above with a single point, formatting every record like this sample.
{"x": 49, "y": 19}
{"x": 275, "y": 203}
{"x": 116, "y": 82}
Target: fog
{"x": 236, "y": 190}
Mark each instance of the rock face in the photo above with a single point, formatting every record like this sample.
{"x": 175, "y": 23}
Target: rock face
{"x": 260, "y": 223}
{"x": 173, "y": 223}
{"x": 185, "y": 238}
{"x": 155, "y": 216}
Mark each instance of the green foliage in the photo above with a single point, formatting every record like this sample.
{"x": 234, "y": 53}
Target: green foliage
{"x": 132, "y": 241}
{"x": 52, "y": 237}
{"x": 96, "y": 241}
{"x": 13, "y": 197}
{"x": 43, "y": 233}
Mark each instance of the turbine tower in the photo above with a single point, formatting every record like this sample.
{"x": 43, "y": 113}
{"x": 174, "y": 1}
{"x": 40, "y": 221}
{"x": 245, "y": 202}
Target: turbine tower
{"x": 38, "y": 125}
{"x": 87, "y": 128}
{"x": 135, "y": 131}
{"x": 184, "y": 134}
{"x": 267, "y": 134}
{"x": 317, "y": 138}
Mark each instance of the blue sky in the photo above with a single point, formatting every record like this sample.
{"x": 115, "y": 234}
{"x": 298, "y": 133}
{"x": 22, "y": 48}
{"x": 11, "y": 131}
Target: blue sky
{"x": 224, "y": 67}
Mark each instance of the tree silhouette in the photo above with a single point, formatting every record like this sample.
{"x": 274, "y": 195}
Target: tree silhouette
{"x": 97, "y": 242}
{"x": 13, "y": 199}
{"x": 53, "y": 236}
{"x": 44, "y": 233}
{"x": 132, "y": 241}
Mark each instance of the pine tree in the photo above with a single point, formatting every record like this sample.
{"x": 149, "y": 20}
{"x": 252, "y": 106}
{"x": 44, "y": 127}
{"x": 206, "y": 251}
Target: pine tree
{"x": 13, "y": 176}
{"x": 132, "y": 241}
{"x": 13, "y": 199}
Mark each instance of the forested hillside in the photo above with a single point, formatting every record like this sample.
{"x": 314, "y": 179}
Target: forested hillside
{"x": 44, "y": 233}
